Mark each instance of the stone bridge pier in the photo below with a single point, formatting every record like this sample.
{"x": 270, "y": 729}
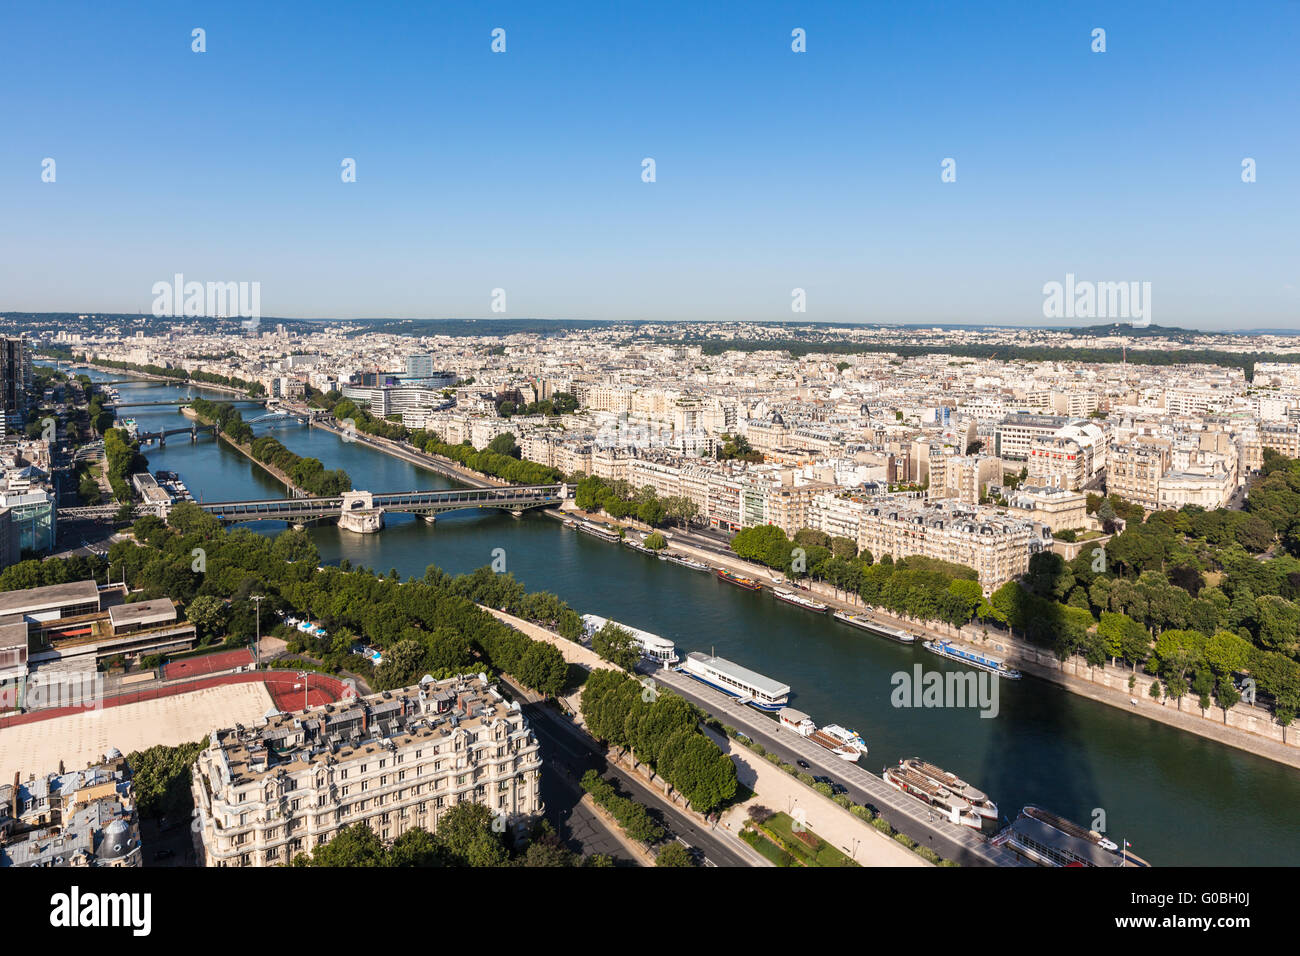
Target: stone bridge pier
{"x": 359, "y": 514}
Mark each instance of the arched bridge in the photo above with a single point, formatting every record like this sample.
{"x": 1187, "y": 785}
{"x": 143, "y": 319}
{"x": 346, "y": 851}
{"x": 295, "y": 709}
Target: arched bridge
{"x": 363, "y": 510}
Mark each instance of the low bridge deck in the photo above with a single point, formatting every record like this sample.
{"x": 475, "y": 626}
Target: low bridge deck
{"x": 510, "y": 498}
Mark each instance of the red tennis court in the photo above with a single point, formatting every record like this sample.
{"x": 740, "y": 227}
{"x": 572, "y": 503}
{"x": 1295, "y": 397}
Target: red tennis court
{"x": 206, "y": 664}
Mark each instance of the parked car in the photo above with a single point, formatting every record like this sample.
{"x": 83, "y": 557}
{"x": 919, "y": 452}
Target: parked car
{"x": 804, "y": 764}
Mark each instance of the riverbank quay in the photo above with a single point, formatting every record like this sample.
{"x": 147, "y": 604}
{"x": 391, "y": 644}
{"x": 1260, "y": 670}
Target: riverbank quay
{"x": 642, "y": 783}
{"x": 180, "y": 382}
{"x": 435, "y": 463}
{"x": 247, "y": 452}
{"x": 905, "y": 814}
{"x": 776, "y": 790}
{"x": 1248, "y": 728}
{"x": 779, "y": 790}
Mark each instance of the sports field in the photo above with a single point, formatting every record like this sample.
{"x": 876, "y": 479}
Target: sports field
{"x": 82, "y": 737}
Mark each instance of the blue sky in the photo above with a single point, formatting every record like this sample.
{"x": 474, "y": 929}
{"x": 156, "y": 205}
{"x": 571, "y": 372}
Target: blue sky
{"x": 775, "y": 170}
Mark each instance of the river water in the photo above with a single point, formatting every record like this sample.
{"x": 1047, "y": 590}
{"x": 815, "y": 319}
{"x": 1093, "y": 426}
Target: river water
{"x": 1178, "y": 798}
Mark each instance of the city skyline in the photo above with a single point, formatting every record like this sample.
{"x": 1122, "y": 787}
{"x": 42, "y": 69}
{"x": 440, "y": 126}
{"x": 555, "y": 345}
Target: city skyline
{"x": 775, "y": 170}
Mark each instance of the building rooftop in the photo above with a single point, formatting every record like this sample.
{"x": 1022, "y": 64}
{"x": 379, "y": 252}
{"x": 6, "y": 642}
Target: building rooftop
{"x": 357, "y": 729}
{"x": 48, "y": 598}
{"x": 159, "y": 611}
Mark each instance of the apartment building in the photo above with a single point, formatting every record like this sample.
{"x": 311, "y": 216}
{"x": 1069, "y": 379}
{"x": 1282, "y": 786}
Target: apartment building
{"x": 1208, "y": 488}
{"x": 962, "y": 477}
{"x": 725, "y": 502}
{"x": 836, "y": 514}
{"x": 1071, "y": 458}
{"x": 395, "y": 760}
{"x": 1059, "y": 509}
{"x": 788, "y": 506}
{"x": 75, "y": 818}
{"x": 1134, "y": 469}
{"x": 996, "y": 546}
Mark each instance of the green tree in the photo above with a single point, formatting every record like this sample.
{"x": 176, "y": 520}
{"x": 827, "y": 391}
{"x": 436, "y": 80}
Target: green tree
{"x": 467, "y": 837}
{"x": 673, "y": 854}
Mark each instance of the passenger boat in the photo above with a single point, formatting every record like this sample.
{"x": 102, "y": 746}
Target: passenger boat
{"x": 749, "y": 584}
{"x": 972, "y": 658}
{"x": 654, "y": 648}
{"x": 1049, "y": 840}
{"x": 843, "y": 743}
{"x": 882, "y": 630}
{"x": 1070, "y": 828}
{"x": 979, "y": 802}
{"x": 849, "y": 743}
{"x": 597, "y": 531}
{"x": 749, "y": 687}
{"x": 685, "y": 561}
{"x": 790, "y": 597}
{"x": 955, "y": 808}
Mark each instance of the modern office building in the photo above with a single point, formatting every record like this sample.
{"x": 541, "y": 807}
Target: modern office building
{"x": 31, "y": 518}
{"x": 1018, "y": 431}
{"x": 64, "y": 631}
{"x": 15, "y": 380}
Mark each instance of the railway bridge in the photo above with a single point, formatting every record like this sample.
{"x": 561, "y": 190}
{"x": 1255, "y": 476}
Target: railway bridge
{"x": 363, "y": 511}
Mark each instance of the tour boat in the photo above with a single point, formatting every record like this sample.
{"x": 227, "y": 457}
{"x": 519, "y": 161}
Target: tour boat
{"x": 749, "y": 687}
{"x": 979, "y": 802}
{"x": 972, "y": 658}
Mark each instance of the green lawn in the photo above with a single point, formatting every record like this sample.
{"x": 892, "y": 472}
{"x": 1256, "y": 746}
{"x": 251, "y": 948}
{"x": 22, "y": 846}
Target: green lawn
{"x": 769, "y": 849}
{"x": 807, "y": 847}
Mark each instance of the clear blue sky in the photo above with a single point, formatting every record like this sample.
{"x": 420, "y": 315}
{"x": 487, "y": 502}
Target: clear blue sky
{"x": 775, "y": 170}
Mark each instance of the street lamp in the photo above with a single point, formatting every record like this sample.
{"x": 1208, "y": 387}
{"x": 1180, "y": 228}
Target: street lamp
{"x": 257, "y": 602}
{"x": 304, "y": 675}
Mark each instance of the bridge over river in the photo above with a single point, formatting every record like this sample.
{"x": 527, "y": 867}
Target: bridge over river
{"x": 363, "y": 511}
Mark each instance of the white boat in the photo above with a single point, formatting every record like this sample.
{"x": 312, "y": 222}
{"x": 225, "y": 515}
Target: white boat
{"x": 978, "y": 800}
{"x": 686, "y": 562}
{"x": 749, "y": 687}
{"x": 848, "y": 738}
{"x": 597, "y": 531}
{"x": 951, "y": 806}
{"x": 797, "y": 721}
{"x": 844, "y": 744}
{"x": 790, "y": 597}
{"x": 654, "y": 648}
{"x": 882, "y": 630}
